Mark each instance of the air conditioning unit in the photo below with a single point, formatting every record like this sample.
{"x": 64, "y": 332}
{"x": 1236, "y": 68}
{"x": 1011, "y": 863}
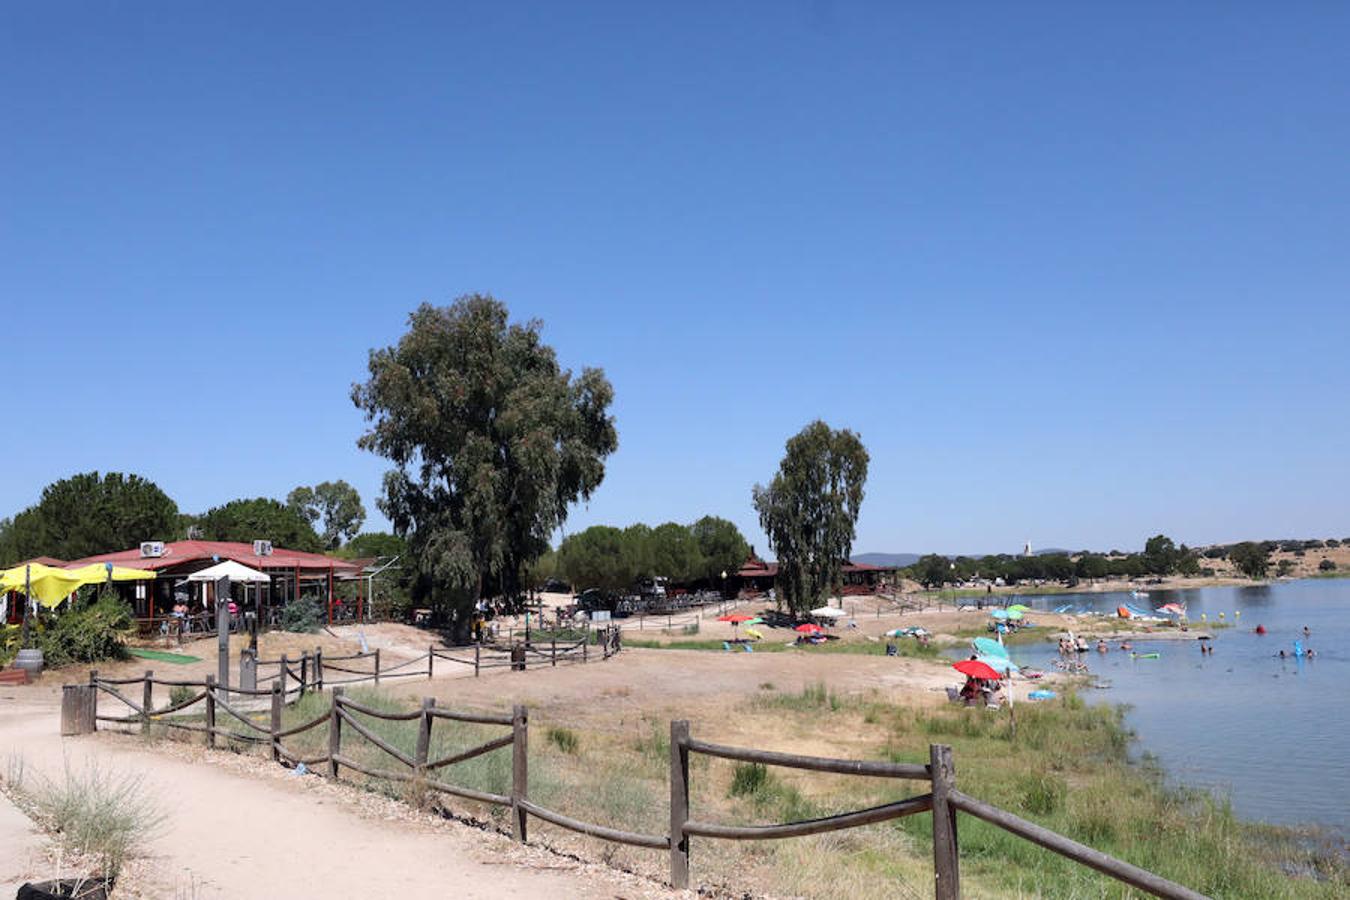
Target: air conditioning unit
{"x": 262, "y": 548}
{"x": 150, "y": 549}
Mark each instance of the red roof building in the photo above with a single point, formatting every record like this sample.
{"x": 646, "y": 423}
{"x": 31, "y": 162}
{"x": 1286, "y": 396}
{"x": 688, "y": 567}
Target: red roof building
{"x": 293, "y": 573}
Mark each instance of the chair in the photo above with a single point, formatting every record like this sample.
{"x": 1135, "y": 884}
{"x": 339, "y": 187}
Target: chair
{"x": 953, "y": 695}
{"x": 726, "y": 645}
{"x": 748, "y": 648}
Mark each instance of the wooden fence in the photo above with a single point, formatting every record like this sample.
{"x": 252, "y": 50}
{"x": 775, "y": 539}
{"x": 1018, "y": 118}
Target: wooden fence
{"x": 941, "y": 799}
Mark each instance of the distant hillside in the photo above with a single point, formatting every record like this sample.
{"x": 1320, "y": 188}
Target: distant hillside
{"x": 887, "y": 559}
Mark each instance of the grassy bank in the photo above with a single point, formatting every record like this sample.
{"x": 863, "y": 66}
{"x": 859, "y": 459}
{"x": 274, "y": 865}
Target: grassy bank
{"x": 1065, "y": 767}
{"x": 904, "y": 646}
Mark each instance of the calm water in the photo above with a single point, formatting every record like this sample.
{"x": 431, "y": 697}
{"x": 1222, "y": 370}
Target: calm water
{"x": 1273, "y": 734}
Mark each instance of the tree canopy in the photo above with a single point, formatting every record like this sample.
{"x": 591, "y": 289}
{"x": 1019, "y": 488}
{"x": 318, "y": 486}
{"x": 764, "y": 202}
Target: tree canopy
{"x": 336, "y": 504}
{"x": 613, "y": 559}
{"x": 491, "y": 440}
{"x": 809, "y": 511}
{"x": 260, "y": 518}
{"x": 1252, "y": 559}
{"x": 88, "y": 514}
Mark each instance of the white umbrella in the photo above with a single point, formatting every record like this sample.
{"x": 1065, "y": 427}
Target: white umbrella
{"x": 828, "y": 612}
{"x": 231, "y": 570}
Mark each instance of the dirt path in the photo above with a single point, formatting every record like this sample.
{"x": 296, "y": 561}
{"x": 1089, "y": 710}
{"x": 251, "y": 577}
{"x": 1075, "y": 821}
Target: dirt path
{"x": 240, "y": 827}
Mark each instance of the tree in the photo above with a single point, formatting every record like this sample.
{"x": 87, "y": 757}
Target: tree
{"x": 675, "y": 552}
{"x": 932, "y": 570}
{"x": 597, "y": 558}
{"x": 336, "y": 503}
{"x": 260, "y": 519}
{"x": 721, "y": 548}
{"x": 1251, "y": 559}
{"x": 1160, "y": 555}
{"x": 379, "y": 544}
{"x": 88, "y": 514}
{"x": 1091, "y": 566}
{"x": 1283, "y": 568}
{"x": 1326, "y": 565}
{"x": 810, "y": 509}
{"x": 491, "y": 440}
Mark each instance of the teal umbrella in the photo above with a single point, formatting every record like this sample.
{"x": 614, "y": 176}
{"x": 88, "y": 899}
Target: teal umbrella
{"x": 1000, "y": 664}
{"x": 999, "y": 614}
{"x": 989, "y": 647}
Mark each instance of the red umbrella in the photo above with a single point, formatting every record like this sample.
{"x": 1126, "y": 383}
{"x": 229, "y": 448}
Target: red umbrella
{"x": 735, "y": 619}
{"x": 976, "y": 669}
{"x": 809, "y": 628}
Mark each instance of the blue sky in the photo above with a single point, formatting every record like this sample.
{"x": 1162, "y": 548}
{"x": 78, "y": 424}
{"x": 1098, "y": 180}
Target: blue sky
{"x": 1076, "y": 275}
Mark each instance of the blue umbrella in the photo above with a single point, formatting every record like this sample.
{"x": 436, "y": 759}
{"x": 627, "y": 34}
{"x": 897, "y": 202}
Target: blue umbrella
{"x": 999, "y": 614}
{"x": 989, "y": 647}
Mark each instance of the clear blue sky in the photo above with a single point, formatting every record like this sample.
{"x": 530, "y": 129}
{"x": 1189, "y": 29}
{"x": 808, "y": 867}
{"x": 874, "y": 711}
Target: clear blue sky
{"x": 1076, "y": 275}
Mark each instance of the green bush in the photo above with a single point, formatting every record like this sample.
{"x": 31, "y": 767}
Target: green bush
{"x": 87, "y": 634}
{"x": 181, "y": 694}
{"x": 749, "y": 779}
{"x": 301, "y": 616}
{"x": 1326, "y": 565}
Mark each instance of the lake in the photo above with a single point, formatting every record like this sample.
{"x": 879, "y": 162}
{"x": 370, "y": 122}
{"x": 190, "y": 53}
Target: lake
{"x": 1272, "y": 734}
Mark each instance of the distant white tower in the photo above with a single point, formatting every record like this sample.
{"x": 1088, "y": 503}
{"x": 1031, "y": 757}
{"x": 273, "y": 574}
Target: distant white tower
{"x": 1026, "y": 550}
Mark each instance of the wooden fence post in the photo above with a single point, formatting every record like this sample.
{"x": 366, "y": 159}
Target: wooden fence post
{"x": 585, "y": 653}
{"x": 211, "y": 712}
{"x": 431, "y": 661}
{"x": 147, "y": 701}
{"x": 520, "y": 772}
{"x": 304, "y": 672}
{"x": 78, "y": 709}
{"x": 423, "y": 740}
{"x": 679, "y": 804}
{"x": 946, "y": 863}
{"x": 276, "y": 722}
{"x": 377, "y": 665}
{"x": 334, "y": 733}
{"x": 553, "y": 644}
{"x": 318, "y": 668}
{"x": 476, "y": 649}
{"x": 284, "y": 674}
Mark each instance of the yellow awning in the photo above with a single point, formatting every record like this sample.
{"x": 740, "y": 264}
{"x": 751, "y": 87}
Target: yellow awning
{"x": 97, "y": 573}
{"x": 49, "y": 585}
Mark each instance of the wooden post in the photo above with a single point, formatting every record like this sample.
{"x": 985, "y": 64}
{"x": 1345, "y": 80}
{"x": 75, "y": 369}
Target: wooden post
{"x": 304, "y": 672}
{"x": 423, "y": 739}
{"x": 585, "y": 653}
{"x": 476, "y": 649}
{"x": 318, "y": 668}
{"x": 79, "y": 709}
{"x": 519, "y": 770}
{"x": 276, "y": 722}
{"x": 211, "y": 712}
{"x": 679, "y": 804}
{"x": 554, "y": 645}
{"x": 147, "y": 701}
{"x": 946, "y": 864}
{"x": 284, "y": 675}
{"x": 377, "y": 665}
{"x": 334, "y": 733}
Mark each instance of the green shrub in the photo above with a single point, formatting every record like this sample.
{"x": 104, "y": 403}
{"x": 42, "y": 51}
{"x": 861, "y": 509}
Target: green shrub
{"x": 303, "y": 616}
{"x": 565, "y": 739}
{"x": 1042, "y": 794}
{"x": 1326, "y": 565}
{"x": 86, "y": 634}
{"x": 749, "y": 779}
{"x": 181, "y": 694}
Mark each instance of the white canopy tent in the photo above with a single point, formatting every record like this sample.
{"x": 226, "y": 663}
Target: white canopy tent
{"x": 231, "y": 570}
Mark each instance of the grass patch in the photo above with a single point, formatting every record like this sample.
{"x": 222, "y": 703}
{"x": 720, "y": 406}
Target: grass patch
{"x": 97, "y": 813}
{"x": 565, "y": 739}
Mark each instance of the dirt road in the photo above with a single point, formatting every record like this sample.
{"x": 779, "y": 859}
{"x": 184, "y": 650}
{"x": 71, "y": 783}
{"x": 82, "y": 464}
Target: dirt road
{"x": 239, "y": 827}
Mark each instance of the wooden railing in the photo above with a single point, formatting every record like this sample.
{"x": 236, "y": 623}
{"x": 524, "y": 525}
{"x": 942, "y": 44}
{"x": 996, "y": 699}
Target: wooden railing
{"x": 942, "y": 799}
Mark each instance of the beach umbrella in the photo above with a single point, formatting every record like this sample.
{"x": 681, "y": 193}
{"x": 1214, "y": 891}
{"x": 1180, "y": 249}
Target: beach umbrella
{"x": 1014, "y": 614}
{"x": 809, "y": 628}
{"x": 99, "y": 573}
{"x": 976, "y": 669}
{"x": 735, "y": 618}
{"x": 750, "y": 632}
{"x": 1019, "y": 607}
{"x": 755, "y": 621}
{"x": 47, "y": 584}
{"x": 987, "y": 647}
{"x": 997, "y": 663}
{"x": 1000, "y": 614}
